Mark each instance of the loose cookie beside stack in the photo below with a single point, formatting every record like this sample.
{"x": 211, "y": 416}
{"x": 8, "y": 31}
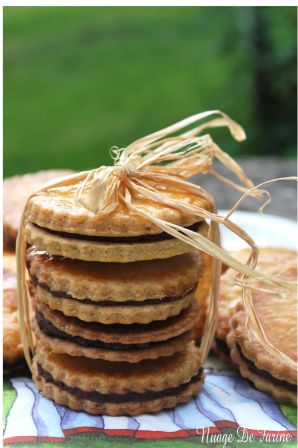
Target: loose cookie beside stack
{"x": 278, "y": 317}
{"x": 114, "y": 306}
{"x": 13, "y": 358}
{"x": 16, "y": 191}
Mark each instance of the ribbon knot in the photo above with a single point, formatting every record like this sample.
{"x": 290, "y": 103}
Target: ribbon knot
{"x": 120, "y": 171}
{"x": 123, "y": 171}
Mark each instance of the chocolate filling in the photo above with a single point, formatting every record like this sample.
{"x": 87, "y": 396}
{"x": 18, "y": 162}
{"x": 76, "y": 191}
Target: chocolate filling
{"x": 122, "y": 328}
{"x": 14, "y": 365}
{"x": 116, "y": 398}
{"x": 64, "y": 295}
{"x": 264, "y": 374}
{"x": 222, "y": 346}
{"x": 50, "y": 330}
{"x": 118, "y": 239}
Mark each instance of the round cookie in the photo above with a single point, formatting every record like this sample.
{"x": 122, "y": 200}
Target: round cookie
{"x": 139, "y": 281}
{"x": 58, "y": 210}
{"x": 103, "y": 387}
{"x": 277, "y": 316}
{"x": 279, "y": 389}
{"x": 16, "y": 191}
{"x": 77, "y": 339}
{"x": 110, "y": 250}
{"x": 13, "y": 357}
{"x": 59, "y": 342}
{"x": 230, "y": 294}
{"x": 126, "y": 334}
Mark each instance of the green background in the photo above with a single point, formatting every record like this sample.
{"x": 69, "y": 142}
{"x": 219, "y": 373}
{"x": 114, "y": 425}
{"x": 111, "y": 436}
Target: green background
{"x": 78, "y": 80}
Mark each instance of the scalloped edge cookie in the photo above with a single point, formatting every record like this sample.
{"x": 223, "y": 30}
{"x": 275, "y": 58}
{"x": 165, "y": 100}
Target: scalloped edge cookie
{"x": 64, "y": 398}
{"x": 164, "y": 348}
{"x": 138, "y": 334}
{"x": 122, "y": 314}
{"x": 108, "y": 252}
{"x": 279, "y": 393}
{"x": 139, "y": 281}
{"x": 108, "y": 377}
{"x": 57, "y": 209}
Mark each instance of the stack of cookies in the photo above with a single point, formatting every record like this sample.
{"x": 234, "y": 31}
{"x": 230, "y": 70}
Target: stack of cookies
{"x": 114, "y": 306}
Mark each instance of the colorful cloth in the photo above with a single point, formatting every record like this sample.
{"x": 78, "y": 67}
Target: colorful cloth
{"x": 228, "y": 410}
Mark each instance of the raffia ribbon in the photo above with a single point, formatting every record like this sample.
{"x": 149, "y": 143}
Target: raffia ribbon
{"x": 152, "y": 167}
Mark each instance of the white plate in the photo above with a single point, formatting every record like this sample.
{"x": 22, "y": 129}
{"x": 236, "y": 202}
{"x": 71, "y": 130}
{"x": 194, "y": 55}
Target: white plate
{"x": 266, "y": 230}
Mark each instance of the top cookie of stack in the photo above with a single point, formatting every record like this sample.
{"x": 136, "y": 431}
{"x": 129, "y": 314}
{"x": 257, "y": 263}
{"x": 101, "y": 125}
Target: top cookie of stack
{"x": 113, "y": 294}
{"x": 59, "y": 225}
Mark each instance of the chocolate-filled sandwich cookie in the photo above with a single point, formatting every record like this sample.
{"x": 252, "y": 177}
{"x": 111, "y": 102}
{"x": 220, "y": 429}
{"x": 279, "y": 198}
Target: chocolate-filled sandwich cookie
{"x": 277, "y": 314}
{"x": 118, "y": 388}
{"x": 61, "y": 226}
{"x": 139, "y": 292}
{"x": 115, "y": 342}
{"x": 100, "y": 311}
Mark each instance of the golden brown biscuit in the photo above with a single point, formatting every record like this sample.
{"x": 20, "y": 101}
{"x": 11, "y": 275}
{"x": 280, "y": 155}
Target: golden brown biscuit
{"x": 278, "y": 318}
{"x": 59, "y": 211}
{"x": 230, "y": 294}
{"x": 124, "y": 313}
{"x": 16, "y": 191}
{"x": 59, "y": 342}
{"x": 77, "y": 338}
{"x": 279, "y": 389}
{"x": 12, "y": 347}
{"x": 110, "y": 250}
{"x": 139, "y": 281}
{"x": 126, "y": 334}
{"x": 103, "y": 387}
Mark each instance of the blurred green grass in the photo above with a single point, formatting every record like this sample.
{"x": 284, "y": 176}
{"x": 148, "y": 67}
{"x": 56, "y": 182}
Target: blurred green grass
{"x": 78, "y": 80}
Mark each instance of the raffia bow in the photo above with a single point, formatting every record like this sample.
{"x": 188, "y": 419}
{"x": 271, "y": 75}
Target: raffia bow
{"x": 154, "y": 166}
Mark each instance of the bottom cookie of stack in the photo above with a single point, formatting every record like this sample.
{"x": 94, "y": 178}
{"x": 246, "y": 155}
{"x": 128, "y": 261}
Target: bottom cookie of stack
{"x": 118, "y": 388}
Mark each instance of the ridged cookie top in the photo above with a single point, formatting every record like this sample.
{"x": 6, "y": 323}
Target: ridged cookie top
{"x": 57, "y": 210}
{"x": 111, "y": 281}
